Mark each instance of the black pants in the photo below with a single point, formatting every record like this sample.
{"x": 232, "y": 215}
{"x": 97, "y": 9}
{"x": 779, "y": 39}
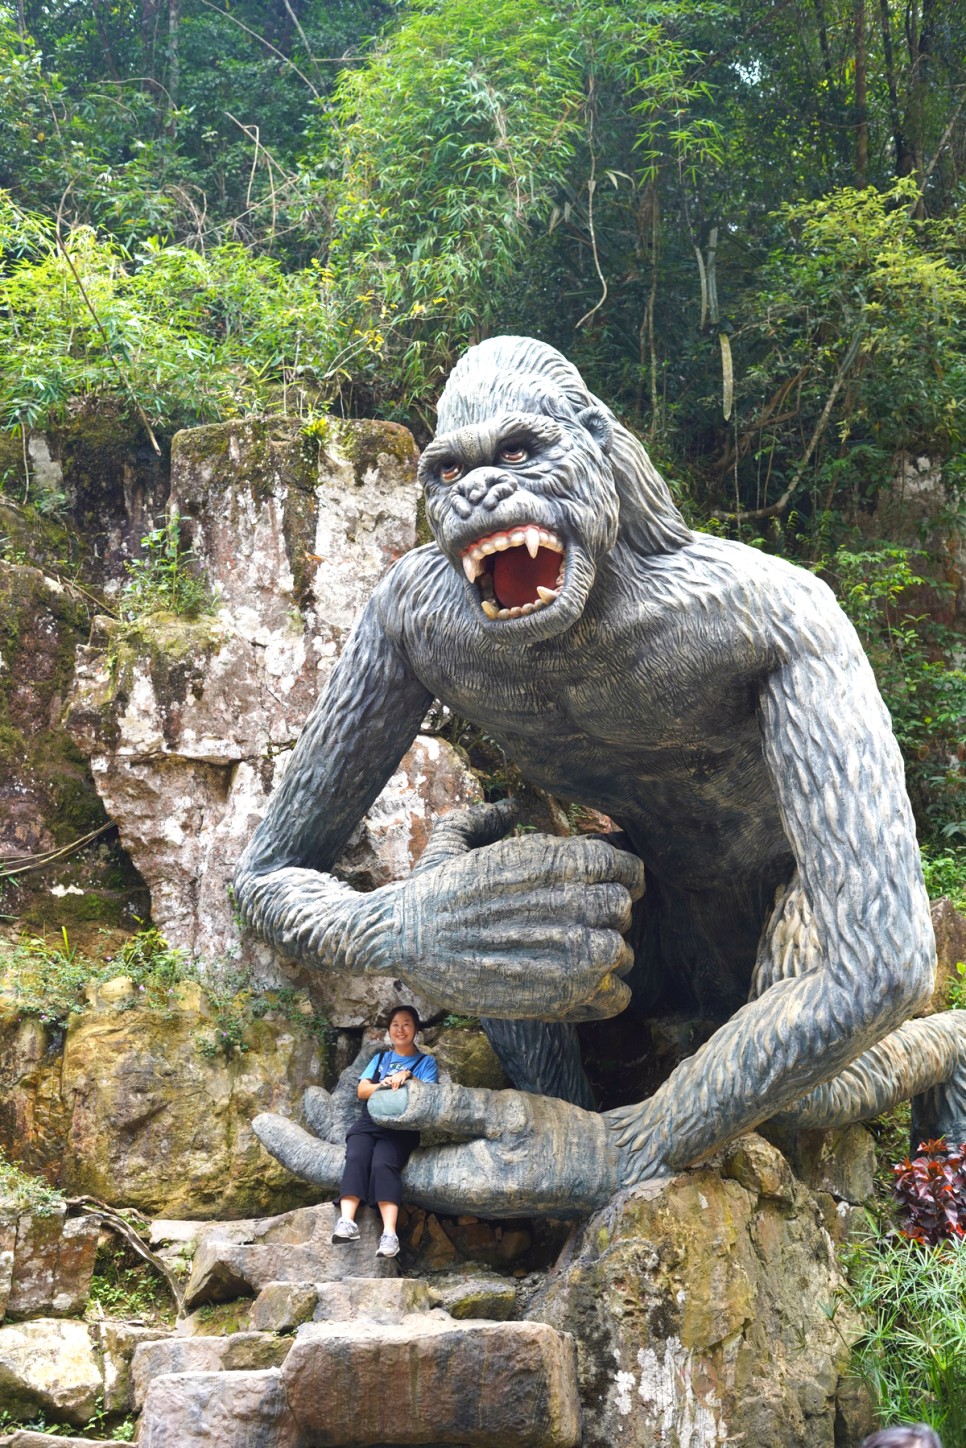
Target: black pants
{"x": 374, "y": 1159}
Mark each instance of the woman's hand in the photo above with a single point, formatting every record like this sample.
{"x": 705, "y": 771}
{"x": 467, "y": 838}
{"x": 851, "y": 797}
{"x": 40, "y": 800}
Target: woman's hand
{"x": 398, "y": 1078}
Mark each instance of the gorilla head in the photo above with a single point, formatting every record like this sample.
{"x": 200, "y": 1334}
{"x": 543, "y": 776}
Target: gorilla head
{"x": 529, "y": 482}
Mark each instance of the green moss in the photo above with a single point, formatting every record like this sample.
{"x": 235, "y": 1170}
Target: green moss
{"x": 265, "y": 448}
{"x": 221, "y": 1319}
{"x": 362, "y": 442}
{"x": 13, "y": 744}
{"x": 424, "y": 534}
{"x": 11, "y": 464}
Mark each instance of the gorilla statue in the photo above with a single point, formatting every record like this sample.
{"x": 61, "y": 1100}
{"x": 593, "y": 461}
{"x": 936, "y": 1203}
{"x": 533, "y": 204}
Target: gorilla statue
{"x": 716, "y": 703}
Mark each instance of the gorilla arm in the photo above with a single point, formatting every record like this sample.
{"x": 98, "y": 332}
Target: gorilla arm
{"x": 519, "y": 928}
{"x": 868, "y": 963}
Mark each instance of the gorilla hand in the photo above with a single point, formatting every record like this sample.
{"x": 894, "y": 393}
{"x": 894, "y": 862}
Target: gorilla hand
{"x": 519, "y": 1153}
{"x": 526, "y": 928}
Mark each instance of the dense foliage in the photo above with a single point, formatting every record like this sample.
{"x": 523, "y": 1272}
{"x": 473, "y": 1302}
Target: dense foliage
{"x": 911, "y": 1356}
{"x": 740, "y": 218}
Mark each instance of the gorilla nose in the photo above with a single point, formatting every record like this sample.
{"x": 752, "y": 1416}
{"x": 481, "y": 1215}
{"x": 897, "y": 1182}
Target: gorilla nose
{"x": 487, "y": 487}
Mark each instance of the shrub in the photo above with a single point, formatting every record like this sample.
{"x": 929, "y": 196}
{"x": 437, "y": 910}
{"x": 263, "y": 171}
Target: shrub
{"x": 931, "y": 1192}
{"x": 166, "y": 580}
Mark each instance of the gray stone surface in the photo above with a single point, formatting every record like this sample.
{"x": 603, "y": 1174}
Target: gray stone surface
{"x": 218, "y": 1410}
{"x": 281, "y": 1306}
{"x": 840, "y": 1162}
{"x": 188, "y": 725}
{"x": 475, "y": 1295}
{"x": 242, "y": 1351}
{"x": 117, "y": 1342}
{"x": 430, "y": 1380}
{"x": 236, "y": 1259}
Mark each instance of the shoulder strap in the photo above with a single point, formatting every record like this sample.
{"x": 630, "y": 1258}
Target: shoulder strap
{"x": 377, "y": 1073}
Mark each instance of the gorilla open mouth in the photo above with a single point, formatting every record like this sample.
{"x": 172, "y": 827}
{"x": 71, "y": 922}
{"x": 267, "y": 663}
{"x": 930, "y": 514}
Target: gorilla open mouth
{"x": 516, "y": 572}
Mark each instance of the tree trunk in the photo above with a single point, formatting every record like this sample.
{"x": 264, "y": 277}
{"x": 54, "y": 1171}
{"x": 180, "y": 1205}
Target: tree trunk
{"x": 174, "y": 17}
{"x": 861, "y": 98}
{"x": 903, "y": 155}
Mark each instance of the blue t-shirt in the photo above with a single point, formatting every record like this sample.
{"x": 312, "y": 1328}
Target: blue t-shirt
{"x": 422, "y": 1066}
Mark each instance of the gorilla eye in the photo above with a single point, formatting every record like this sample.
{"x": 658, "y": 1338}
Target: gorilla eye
{"x": 514, "y": 452}
{"x": 450, "y": 471}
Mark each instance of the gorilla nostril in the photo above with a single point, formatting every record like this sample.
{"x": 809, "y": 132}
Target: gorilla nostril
{"x": 461, "y": 506}
{"x": 477, "y": 493}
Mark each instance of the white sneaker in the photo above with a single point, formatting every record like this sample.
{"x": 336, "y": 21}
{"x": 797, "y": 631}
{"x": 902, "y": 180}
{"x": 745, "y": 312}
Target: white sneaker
{"x": 345, "y": 1231}
{"x": 388, "y": 1245}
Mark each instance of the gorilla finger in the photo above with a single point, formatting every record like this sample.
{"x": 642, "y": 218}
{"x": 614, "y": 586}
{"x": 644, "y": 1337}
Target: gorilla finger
{"x": 606, "y": 907}
{"x": 461, "y": 1111}
{"x": 455, "y": 1179}
{"x": 304, "y": 1155}
{"x": 610, "y": 998}
{"x": 317, "y": 1105}
{"x": 465, "y": 830}
{"x": 594, "y": 862}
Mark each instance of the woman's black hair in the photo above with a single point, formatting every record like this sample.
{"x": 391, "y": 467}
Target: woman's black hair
{"x": 411, "y": 1010}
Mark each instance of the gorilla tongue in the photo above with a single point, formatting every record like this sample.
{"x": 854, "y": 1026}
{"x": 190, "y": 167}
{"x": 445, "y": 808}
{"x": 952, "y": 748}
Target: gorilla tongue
{"x": 516, "y": 576}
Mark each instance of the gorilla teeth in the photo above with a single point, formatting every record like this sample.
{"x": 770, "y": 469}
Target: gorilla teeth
{"x": 533, "y": 538}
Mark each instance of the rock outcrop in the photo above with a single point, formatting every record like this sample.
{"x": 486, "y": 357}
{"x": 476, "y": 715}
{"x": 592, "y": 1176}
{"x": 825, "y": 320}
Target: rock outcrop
{"x": 707, "y": 1310}
{"x": 376, "y": 1358}
{"x": 140, "y": 1107}
{"x": 189, "y": 724}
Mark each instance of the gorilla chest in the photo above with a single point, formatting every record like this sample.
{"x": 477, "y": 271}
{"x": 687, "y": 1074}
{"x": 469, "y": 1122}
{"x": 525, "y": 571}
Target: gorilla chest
{"x": 631, "y": 710}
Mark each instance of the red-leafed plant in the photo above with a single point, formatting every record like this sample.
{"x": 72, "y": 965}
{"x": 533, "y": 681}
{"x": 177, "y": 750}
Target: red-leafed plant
{"x": 931, "y": 1192}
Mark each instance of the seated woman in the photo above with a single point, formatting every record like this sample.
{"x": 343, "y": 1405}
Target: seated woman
{"x": 375, "y": 1155}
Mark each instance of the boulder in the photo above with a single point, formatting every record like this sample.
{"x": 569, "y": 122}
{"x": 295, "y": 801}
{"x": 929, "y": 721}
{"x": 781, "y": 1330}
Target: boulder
{"x": 475, "y": 1296}
{"x": 464, "y": 1054}
{"x": 839, "y": 1162}
{"x": 431, "y": 1380}
{"x": 283, "y": 1306}
{"x": 49, "y": 1365}
{"x": 702, "y": 1307}
{"x": 189, "y": 724}
{"x": 117, "y": 1343}
{"x": 51, "y": 1266}
{"x": 240, "y": 1351}
{"x": 227, "y": 1409}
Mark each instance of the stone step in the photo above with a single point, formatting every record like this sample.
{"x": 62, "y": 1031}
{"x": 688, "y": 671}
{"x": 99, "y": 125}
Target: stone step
{"x": 237, "y": 1259}
{"x": 283, "y": 1306}
{"x": 241, "y": 1351}
{"x": 24, "y": 1438}
{"x": 428, "y": 1378}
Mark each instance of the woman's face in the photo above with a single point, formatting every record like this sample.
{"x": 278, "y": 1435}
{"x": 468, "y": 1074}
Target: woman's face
{"x": 402, "y": 1033}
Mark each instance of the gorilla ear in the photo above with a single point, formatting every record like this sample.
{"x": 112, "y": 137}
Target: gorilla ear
{"x": 599, "y": 425}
